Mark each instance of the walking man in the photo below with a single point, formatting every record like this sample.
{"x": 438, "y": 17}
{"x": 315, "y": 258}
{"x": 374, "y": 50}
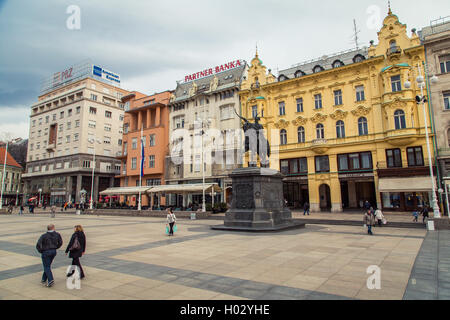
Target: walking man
{"x": 53, "y": 209}
{"x": 425, "y": 213}
{"x": 47, "y": 245}
{"x": 306, "y": 208}
{"x": 369, "y": 221}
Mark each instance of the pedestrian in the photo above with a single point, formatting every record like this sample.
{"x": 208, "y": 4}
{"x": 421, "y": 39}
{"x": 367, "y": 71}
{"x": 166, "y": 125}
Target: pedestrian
{"x": 369, "y": 221}
{"x": 53, "y": 210}
{"x": 306, "y": 208}
{"x": 379, "y": 216}
{"x": 171, "y": 220}
{"x": 77, "y": 247}
{"x": 47, "y": 245}
{"x": 416, "y": 215}
{"x": 20, "y": 210}
{"x": 425, "y": 213}
{"x": 367, "y": 205}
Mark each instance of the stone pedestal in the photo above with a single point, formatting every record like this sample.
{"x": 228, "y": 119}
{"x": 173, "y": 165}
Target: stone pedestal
{"x": 258, "y": 203}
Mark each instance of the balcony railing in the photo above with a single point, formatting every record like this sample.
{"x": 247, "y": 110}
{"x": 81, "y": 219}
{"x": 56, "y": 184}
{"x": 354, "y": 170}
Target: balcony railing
{"x": 393, "y": 50}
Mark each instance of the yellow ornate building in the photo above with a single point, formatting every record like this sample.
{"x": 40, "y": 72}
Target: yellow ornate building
{"x": 343, "y": 128}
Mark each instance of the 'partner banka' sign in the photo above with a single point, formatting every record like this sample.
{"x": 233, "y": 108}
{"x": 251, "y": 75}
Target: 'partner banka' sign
{"x": 215, "y": 70}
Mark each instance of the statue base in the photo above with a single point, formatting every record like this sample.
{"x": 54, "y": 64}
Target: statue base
{"x": 258, "y": 203}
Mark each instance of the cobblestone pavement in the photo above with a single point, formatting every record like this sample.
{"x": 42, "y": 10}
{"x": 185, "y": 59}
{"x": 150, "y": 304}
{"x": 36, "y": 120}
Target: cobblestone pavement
{"x": 132, "y": 258}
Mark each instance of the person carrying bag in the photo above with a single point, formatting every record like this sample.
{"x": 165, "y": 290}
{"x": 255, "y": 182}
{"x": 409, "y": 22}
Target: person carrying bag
{"x": 77, "y": 247}
{"x": 171, "y": 220}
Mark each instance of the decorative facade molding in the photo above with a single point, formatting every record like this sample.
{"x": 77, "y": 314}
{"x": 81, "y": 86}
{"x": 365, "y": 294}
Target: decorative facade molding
{"x": 300, "y": 121}
{"x": 318, "y": 117}
{"x": 281, "y": 124}
{"x": 339, "y": 115}
{"x": 361, "y": 111}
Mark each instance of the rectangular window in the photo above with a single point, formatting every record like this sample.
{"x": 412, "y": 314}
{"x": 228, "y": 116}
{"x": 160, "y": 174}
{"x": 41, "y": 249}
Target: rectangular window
{"x": 394, "y": 158}
{"x": 75, "y": 137}
{"x": 178, "y": 122}
{"x": 54, "y": 117}
{"x": 338, "y": 97}
{"x": 343, "y": 162}
{"x": 92, "y": 124}
{"x": 134, "y": 143}
{"x": 318, "y": 101}
{"x": 445, "y": 63}
{"x": 69, "y": 112}
{"x": 107, "y": 140}
{"x": 415, "y": 157}
{"x": 254, "y": 111}
{"x": 282, "y": 108}
{"x": 125, "y": 128}
{"x": 360, "y": 93}
{"x": 69, "y": 125}
{"x": 152, "y": 140}
{"x": 322, "y": 164}
{"x": 107, "y": 127}
{"x": 67, "y": 139}
{"x": 300, "y": 105}
{"x": 94, "y": 97}
{"x": 92, "y": 110}
{"x": 47, "y": 119}
{"x": 61, "y": 115}
{"x": 396, "y": 84}
{"x": 77, "y": 123}
{"x": 446, "y": 100}
{"x": 108, "y": 114}
{"x": 284, "y": 166}
{"x": 78, "y": 110}
{"x": 133, "y": 163}
{"x": 355, "y": 161}
{"x": 151, "y": 161}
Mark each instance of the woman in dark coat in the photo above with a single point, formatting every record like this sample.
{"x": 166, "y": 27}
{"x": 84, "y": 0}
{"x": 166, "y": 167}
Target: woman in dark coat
{"x": 76, "y": 254}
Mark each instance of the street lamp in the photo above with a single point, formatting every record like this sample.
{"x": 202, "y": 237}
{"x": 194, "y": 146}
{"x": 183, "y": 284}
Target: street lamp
{"x": 92, "y": 141}
{"x": 17, "y": 196}
{"x": 422, "y": 99}
{"x": 40, "y": 192}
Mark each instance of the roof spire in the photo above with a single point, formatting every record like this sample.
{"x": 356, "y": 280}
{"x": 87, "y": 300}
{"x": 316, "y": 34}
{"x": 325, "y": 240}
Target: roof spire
{"x": 389, "y": 6}
{"x": 256, "y": 54}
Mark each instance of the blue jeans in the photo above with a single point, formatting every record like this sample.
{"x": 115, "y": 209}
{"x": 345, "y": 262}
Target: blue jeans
{"x": 306, "y": 211}
{"x": 369, "y": 229}
{"x": 47, "y": 259}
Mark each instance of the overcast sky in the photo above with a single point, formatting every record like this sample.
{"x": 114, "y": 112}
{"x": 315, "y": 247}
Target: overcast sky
{"x": 151, "y": 44}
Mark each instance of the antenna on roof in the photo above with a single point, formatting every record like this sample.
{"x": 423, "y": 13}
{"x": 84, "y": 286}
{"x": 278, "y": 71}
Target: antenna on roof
{"x": 355, "y": 36}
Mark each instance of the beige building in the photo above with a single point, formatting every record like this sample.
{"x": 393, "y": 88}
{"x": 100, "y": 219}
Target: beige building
{"x": 211, "y": 101}
{"x": 436, "y": 39}
{"x": 67, "y": 117}
{"x": 12, "y": 180}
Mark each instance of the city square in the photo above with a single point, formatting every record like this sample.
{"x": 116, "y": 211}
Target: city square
{"x": 132, "y": 258}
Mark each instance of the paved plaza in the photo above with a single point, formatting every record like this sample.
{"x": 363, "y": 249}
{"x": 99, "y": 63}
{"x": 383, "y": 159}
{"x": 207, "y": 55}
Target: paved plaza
{"x": 132, "y": 258}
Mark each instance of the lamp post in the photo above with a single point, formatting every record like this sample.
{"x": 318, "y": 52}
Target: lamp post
{"x": 40, "y": 197}
{"x": 422, "y": 99}
{"x": 92, "y": 141}
{"x": 3, "y": 176}
{"x": 202, "y": 132}
{"x": 17, "y": 196}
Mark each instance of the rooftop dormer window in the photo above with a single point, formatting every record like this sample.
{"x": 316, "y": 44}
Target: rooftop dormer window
{"x": 337, "y": 64}
{"x": 318, "y": 69}
{"x": 299, "y": 73}
{"x": 358, "y": 58}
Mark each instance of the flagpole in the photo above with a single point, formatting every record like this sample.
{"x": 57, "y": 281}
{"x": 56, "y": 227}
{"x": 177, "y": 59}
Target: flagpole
{"x": 3, "y": 175}
{"x": 140, "y": 173}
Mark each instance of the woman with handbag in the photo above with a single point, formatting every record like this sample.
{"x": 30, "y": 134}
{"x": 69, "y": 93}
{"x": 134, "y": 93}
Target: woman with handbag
{"x": 76, "y": 247}
{"x": 171, "y": 219}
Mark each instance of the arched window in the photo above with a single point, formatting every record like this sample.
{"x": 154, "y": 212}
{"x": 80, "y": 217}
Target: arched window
{"x": 317, "y": 69}
{"x": 282, "y": 77}
{"x": 399, "y": 119}
{"x": 299, "y": 73}
{"x": 358, "y": 58}
{"x": 337, "y": 64}
{"x": 340, "y": 129}
{"x": 393, "y": 44}
{"x": 301, "y": 134}
{"x": 362, "y": 126}
{"x": 283, "y": 137}
{"x": 320, "y": 132}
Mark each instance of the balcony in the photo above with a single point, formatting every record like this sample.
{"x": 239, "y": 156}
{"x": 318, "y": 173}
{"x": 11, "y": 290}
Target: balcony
{"x": 51, "y": 146}
{"x": 320, "y": 146}
{"x": 120, "y": 155}
{"x": 402, "y": 137}
{"x": 444, "y": 152}
{"x": 394, "y": 52}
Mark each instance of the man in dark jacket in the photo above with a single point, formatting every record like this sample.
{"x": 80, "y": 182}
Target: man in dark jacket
{"x": 47, "y": 245}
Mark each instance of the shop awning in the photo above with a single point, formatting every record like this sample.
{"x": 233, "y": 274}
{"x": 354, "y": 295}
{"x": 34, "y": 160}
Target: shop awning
{"x": 413, "y": 184}
{"x": 124, "y": 191}
{"x": 185, "y": 188}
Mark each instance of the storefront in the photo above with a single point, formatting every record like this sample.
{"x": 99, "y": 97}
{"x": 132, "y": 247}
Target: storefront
{"x": 405, "y": 194}
{"x": 295, "y": 191}
{"x": 356, "y": 188}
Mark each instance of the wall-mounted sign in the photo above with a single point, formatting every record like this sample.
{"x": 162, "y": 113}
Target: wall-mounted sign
{"x": 105, "y": 74}
{"x": 215, "y": 70}
{"x": 76, "y": 72}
